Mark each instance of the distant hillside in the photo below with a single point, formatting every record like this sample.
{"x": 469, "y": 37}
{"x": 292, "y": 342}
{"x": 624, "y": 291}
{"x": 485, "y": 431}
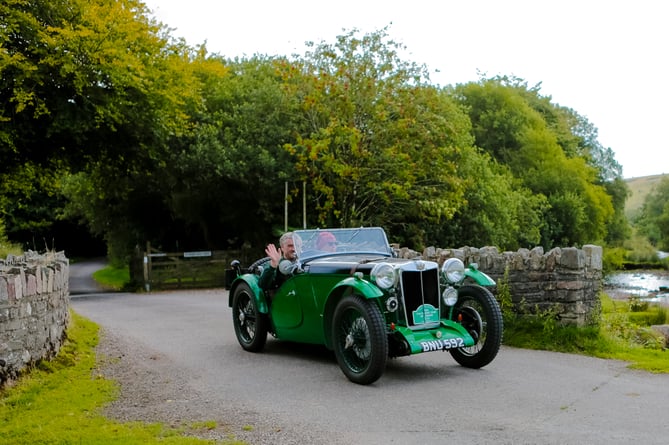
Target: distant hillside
{"x": 639, "y": 187}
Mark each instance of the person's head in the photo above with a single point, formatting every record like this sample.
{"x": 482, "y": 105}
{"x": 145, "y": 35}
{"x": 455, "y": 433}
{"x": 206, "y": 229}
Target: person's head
{"x": 326, "y": 241}
{"x": 290, "y": 244}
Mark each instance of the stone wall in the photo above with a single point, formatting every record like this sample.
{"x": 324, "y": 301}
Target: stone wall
{"x": 34, "y": 309}
{"x": 565, "y": 280}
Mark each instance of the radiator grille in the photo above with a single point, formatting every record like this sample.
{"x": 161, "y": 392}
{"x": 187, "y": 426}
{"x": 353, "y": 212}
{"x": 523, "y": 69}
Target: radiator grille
{"x": 418, "y": 288}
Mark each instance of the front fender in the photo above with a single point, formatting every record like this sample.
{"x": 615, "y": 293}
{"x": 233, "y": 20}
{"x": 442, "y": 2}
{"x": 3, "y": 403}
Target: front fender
{"x": 364, "y": 287}
{"x": 252, "y": 281}
{"x": 344, "y": 287}
{"x": 481, "y": 278}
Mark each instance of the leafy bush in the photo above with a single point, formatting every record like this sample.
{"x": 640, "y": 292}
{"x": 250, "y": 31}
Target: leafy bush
{"x": 614, "y": 259}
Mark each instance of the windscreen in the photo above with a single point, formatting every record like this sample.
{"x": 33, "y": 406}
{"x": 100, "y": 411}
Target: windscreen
{"x": 319, "y": 242}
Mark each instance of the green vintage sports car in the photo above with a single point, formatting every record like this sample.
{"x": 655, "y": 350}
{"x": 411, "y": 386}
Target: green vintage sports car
{"x": 367, "y": 305}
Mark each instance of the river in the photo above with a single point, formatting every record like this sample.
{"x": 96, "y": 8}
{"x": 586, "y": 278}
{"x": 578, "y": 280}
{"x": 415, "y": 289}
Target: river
{"x": 648, "y": 285}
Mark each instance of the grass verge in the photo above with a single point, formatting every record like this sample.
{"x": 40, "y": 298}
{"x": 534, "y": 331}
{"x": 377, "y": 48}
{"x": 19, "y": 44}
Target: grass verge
{"x": 61, "y": 401}
{"x": 115, "y": 278}
{"x": 622, "y": 332}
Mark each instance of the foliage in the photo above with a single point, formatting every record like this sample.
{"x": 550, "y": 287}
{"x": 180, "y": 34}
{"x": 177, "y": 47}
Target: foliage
{"x": 60, "y": 401}
{"x": 514, "y": 131}
{"x": 639, "y": 189}
{"x": 379, "y": 143}
{"x": 619, "y": 228}
{"x": 653, "y": 220}
{"x": 619, "y": 333}
{"x": 497, "y": 210}
{"x": 91, "y": 88}
{"x": 639, "y": 251}
{"x": 7, "y": 247}
{"x": 108, "y": 123}
{"x": 233, "y": 165}
{"x": 81, "y": 79}
{"x": 505, "y": 299}
{"x": 614, "y": 258}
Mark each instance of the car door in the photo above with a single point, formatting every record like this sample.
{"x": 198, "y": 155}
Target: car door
{"x": 292, "y": 302}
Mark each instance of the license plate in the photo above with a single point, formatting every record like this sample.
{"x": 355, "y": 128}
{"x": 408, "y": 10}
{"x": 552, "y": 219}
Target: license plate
{"x": 442, "y": 345}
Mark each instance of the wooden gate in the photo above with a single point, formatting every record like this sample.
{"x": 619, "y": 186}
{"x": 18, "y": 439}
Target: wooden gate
{"x": 181, "y": 270}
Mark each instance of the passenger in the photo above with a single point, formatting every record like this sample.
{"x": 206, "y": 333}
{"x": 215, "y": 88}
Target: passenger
{"x": 327, "y": 242}
{"x": 271, "y": 277}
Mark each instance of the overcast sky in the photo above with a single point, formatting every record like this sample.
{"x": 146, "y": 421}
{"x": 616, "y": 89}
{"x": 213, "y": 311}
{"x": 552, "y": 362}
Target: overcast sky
{"x": 605, "y": 59}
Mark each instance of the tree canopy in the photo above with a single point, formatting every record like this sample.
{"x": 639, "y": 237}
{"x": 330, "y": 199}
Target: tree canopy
{"x": 108, "y": 122}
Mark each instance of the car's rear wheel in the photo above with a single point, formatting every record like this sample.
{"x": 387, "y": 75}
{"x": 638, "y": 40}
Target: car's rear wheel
{"x": 478, "y": 311}
{"x": 359, "y": 339}
{"x": 250, "y": 325}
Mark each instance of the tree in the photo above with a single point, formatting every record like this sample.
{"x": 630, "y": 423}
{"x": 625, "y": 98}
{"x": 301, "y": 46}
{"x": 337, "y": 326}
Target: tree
{"x": 88, "y": 86}
{"x": 79, "y": 79}
{"x": 513, "y": 130}
{"x": 653, "y": 220}
{"x": 498, "y": 211}
{"x": 228, "y": 176}
{"x": 381, "y": 146}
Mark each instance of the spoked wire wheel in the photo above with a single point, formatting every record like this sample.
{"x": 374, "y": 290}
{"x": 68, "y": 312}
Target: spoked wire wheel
{"x": 480, "y": 314}
{"x": 360, "y": 341}
{"x": 250, "y": 326}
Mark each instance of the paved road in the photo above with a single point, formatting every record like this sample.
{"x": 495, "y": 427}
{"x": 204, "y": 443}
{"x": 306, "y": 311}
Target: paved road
{"x": 81, "y": 276}
{"x": 522, "y": 397}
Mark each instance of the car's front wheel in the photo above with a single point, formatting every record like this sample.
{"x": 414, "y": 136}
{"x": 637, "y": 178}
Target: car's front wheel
{"x": 478, "y": 311}
{"x": 250, "y": 325}
{"x": 359, "y": 339}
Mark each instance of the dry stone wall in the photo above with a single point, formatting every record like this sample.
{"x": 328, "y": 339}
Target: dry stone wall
{"x": 564, "y": 280}
{"x": 34, "y": 309}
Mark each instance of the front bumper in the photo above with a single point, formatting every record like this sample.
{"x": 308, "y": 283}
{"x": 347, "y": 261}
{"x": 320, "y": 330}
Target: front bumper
{"x": 448, "y": 335}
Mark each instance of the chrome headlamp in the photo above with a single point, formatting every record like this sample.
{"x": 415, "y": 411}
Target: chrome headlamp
{"x": 383, "y": 274}
{"x": 453, "y": 270}
{"x": 449, "y": 296}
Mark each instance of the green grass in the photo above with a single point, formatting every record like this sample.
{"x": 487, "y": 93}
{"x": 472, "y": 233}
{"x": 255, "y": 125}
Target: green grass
{"x": 60, "y": 402}
{"x": 7, "y": 247}
{"x": 116, "y": 278}
{"x": 622, "y": 333}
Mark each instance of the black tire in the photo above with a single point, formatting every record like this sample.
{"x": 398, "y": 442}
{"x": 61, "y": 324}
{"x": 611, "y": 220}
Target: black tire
{"x": 359, "y": 339}
{"x": 250, "y": 325}
{"x": 482, "y": 317}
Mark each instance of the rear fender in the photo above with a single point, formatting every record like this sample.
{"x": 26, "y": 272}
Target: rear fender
{"x": 479, "y": 277}
{"x": 258, "y": 293}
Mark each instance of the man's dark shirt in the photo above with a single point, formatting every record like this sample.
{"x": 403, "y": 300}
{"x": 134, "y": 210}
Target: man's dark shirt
{"x": 271, "y": 279}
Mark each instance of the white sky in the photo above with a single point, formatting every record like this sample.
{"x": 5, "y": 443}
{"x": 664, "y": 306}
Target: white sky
{"x": 606, "y": 59}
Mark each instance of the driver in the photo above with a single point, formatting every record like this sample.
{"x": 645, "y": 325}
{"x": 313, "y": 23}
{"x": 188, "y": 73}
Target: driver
{"x": 271, "y": 277}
